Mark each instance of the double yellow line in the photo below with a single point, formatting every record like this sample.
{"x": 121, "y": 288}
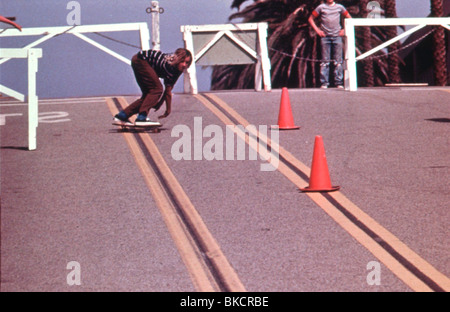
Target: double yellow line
{"x": 414, "y": 271}
{"x": 207, "y": 265}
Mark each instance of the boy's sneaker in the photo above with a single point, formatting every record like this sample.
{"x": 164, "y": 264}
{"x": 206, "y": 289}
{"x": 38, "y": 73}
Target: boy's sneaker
{"x": 324, "y": 86}
{"x": 141, "y": 122}
{"x": 340, "y": 87}
{"x": 121, "y": 120}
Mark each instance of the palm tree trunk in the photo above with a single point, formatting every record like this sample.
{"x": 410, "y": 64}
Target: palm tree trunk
{"x": 366, "y": 34}
{"x": 439, "y": 49}
{"x": 393, "y": 60}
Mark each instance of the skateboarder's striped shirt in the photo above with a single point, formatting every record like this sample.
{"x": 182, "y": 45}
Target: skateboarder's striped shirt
{"x": 160, "y": 63}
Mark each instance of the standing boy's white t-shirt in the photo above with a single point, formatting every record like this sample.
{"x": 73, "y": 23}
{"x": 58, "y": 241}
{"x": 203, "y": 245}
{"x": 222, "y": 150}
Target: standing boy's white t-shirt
{"x": 331, "y": 18}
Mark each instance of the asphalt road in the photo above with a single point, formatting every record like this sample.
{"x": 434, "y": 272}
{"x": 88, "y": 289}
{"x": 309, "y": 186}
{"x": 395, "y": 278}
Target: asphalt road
{"x": 82, "y": 197}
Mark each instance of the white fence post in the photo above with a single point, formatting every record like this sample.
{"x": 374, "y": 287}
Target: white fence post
{"x": 33, "y": 55}
{"x": 190, "y": 76}
{"x": 263, "y": 57}
{"x": 351, "y": 82}
{"x": 144, "y": 36}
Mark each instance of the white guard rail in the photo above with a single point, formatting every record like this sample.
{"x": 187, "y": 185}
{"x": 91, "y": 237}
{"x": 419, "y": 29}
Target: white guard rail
{"x": 33, "y": 54}
{"x": 351, "y": 83}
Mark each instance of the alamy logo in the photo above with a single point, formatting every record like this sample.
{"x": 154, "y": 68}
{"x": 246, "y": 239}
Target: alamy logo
{"x": 375, "y": 10}
{"x": 220, "y": 146}
{"x": 374, "y": 275}
{"x": 74, "y": 16}
{"x": 74, "y": 276}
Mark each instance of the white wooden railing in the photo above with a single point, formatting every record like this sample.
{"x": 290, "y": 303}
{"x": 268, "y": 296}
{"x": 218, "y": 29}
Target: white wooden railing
{"x": 351, "y": 83}
{"x": 32, "y": 55}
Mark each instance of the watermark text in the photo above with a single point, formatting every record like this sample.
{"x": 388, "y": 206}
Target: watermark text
{"x": 230, "y": 145}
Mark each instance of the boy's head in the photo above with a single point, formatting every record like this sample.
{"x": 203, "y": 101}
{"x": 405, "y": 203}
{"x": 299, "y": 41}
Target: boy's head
{"x": 181, "y": 59}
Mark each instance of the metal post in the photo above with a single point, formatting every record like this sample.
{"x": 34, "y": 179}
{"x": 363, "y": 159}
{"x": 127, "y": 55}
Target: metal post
{"x": 155, "y": 10}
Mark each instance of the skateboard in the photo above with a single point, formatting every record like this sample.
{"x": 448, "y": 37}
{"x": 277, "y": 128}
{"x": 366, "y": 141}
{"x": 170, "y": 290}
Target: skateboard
{"x": 124, "y": 127}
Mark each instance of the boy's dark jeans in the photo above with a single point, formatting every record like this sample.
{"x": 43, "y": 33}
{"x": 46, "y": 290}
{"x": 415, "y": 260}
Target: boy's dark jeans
{"x": 150, "y": 85}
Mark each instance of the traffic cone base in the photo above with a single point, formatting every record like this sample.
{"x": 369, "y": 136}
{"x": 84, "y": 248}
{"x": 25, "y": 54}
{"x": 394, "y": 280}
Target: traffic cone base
{"x": 292, "y": 128}
{"x": 285, "y": 118}
{"x": 319, "y": 178}
{"x": 310, "y": 190}
{"x": 284, "y": 128}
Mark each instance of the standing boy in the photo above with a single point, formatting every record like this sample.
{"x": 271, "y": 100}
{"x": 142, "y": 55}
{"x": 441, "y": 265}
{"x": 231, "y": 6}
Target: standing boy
{"x": 331, "y": 33}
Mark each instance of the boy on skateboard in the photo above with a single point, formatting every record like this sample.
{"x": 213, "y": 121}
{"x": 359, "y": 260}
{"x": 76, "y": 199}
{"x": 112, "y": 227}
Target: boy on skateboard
{"x": 148, "y": 67}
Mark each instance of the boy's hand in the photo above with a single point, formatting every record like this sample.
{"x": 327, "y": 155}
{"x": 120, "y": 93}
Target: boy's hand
{"x": 321, "y": 33}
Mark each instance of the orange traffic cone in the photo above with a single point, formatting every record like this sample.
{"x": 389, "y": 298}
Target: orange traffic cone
{"x": 285, "y": 118}
{"x": 319, "y": 180}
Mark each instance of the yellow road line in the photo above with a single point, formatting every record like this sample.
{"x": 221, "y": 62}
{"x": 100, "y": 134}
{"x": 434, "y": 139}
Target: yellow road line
{"x": 188, "y": 253}
{"x": 192, "y": 256}
{"x": 392, "y": 262}
{"x": 211, "y": 247}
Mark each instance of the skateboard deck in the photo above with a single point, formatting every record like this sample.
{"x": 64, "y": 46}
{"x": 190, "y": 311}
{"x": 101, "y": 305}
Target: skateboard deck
{"x": 153, "y": 128}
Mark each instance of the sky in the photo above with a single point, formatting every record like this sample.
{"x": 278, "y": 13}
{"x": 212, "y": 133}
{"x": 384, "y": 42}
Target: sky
{"x": 72, "y": 68}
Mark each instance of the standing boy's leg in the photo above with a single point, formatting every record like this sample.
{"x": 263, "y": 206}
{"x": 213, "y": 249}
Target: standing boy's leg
{"x": 325, "y": 64}
{"x": 338, "y": 62}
